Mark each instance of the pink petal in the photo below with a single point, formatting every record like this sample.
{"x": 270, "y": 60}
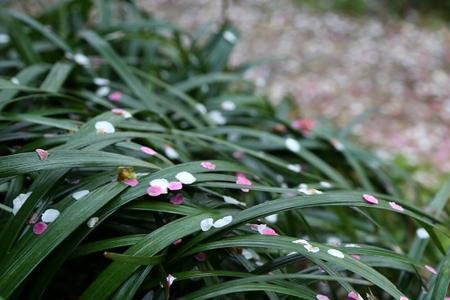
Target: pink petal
{"x": 353, "y": 296}
{"x": 396, "y": 206}
{"x": 370, "y": 199}
{"x": 39, "y": 228}
{"x": 177, "y": 242}
{"x": 356, "y": 256}
{"x": 118, "y": 111}
{"x": 431, "y": 269}
{"x": 177, "y": 199}
{"x": 305, "y": 126}
{"x": 322, "y": 297}
{"x": 200, "y": 256}
{"x": 131, "y": 182}
{"x": 115, "y": 96}
{"x": 208, "y": 165}
{"x": 148, "y": 150}
{"x": 42, "y": 154}
{"x": 154, "y": 190}
{"x": 170, "y": 279}
{"x": 175, "y": 186}
{"x": 241, "y": 179}
{"x": 269, "y": 231}
{"x": 404, "y": 298}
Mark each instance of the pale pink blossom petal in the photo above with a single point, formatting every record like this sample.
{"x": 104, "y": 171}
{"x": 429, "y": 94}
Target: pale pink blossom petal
{"x": 39, "y": 228}
{"x": 121, "y": 112}
{"x": 115, "y": 96}
{"x": 201, "y": 256}
{"x": 170, "y": 279}
{"x": 322, "y": 297}
{"x": 356, "y": 256}
{"x": 42, "y": 154}
{"x": 175, "y": 186}
{"x": 396, "y": 206}
{"x": 208, "y": 165}
{"x": 148, "y": 150}
{"x": 131, "y": 182}
{"x": 431, "y": 269}
{"x": 269, "y": 231}
{"x": 305, "y": 126}
{"x": 354, "y": 296}
{"x": 177, "y": 199}
{"x": 406, "y": 298}
{"x": 370, "y": 199}
{"x": 242, "y": 180}
{"x": 154, "y": 190}
{"x": 263, "y": 229}
{"x": 177, "y": 242}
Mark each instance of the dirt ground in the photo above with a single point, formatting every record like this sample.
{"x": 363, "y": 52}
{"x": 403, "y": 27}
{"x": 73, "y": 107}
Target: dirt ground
{"x": 338, "y": 66}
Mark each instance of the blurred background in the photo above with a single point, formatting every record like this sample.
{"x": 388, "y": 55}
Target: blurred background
{"x": 383, "y": 62}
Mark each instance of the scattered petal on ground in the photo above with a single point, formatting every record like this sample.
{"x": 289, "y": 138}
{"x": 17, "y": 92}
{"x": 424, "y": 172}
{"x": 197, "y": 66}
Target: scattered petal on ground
{"x": 431, "y": 269}
{"x": 370, "y": 199}
{"x": 295, "y": 168}
{"x": 242, "y": 180}
{"x": 354, "y": 296}
{"x": 422, "y": 234}
{"x": 223, "y": 222}
{"x": 175, "y": 186}
{"x": 170, "y": 279}
{"x": 231, "y": 200}
{"x": 92, "y": 222}
{"x": 80, "y": 194}
{"x": 208, "y": 165}
{"x": 115, "y": 96}
{"x": 19, "y": 201}
{"x": 101, "y": 81}
{"x": 131, "y": 182}
{"x": 335, "y": 253}
{"x": 147, "y": 150}
{"x": 104, "y": 127}
{"x": 396, "y": 206}
{"x": 311, "y": 248}
{"x": 177, "y": 199}
{"x": 272, "y": 218}
{"x": 206, "y": 224}
{"x": 322, "y": 297}
{"x": 155, "y": 191}
{"x": 39, "y": 228}
{"x": 185, "y": 177}
{"x": 121, "y": 112}
{"x": 171, "y": 153}
{"x": 292, "y": 145}
{"x": 42, "y": 154}
{"x": 50, "y": 215}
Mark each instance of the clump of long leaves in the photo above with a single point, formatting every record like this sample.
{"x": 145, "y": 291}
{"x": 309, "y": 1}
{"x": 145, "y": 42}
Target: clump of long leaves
{"x": 98, "y": 100}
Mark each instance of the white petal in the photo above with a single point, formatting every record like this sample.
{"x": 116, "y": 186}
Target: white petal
{"x": 228, "y": 105}
{"x": 335, "y": 253}
{"x": 50, "y": 215}
{"x": 229, "y": 37}
{"x": 101, "y": 81}
{"x": 19, "y": 201}
{"x": 422, "y": 234}
{"x": 206, "y": 224}
{"x": 171, "y": 153}
{"x": 103, "y": 91}
{"x": 217, "y": 117}
{"x": 311, "y": 248}
{"x": 301, "y": 241}
{"x": 295, "y": 168}
{"x": 231, "y": 200}
{"x": 223, "y": 222}
{"x": 81, "y": 59}
{"x": 104, "y": 127}
{"x": 261, "y": 228}
{"x": 80, "y": 194}
{"x": 15, "y": 80}
{"x": 272, "y": 218}
{"x": 325, "y": 184}
{"x": 292, "y": 145}
{"x": 185, "y": 177}
{"x": 4, "y": 38}
{"x": 201, "y": 108}
{"x": 92, "y": 222}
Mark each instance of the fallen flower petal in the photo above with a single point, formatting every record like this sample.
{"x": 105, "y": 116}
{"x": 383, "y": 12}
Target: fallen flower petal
{"x": 19, "y": 201}
{"x": 396, "y": 206}
{"x": 336, "y": 253}
{"x": 208, "y": 165}
{"x": 115, "y": 96}
{"x": 171, "y": 153}
{"x": 177, "y": 199}
{"x": 80, "y": 194}
{"x": 292, "y": 145}
{"x": 431, "y": 269}
{"x": 242, "y": 180}
{"x": 39, "y": 228}
{"x": 175, "y": 186}
{"x": 185, "y": 177}
{"x": 322, "y": 297}
{"x": 131, "y": 182}
{"x": 370, "y": 199}
{"x": 148, "y": 150}
{"x": 121, "y": 112}
{"x": 206, "y": 224}
{"x": 50, "y": 215}
{"x": 170, "y": 279}
{"x": 354, "y": 296}
{"x": 92, "y": 222}
{"x": 42, "y": 154}
{"x": 154, "y": 190}
{"x": 311, "y": 248}
{"x": 104, "y": 127}
{"x": 223, "y": 222}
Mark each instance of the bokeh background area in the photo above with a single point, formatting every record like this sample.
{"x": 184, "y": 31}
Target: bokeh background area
{"x": 387, "y": 62}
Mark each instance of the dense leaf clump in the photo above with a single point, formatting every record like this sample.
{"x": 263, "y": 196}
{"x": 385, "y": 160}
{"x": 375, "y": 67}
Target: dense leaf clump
{"x": 136, "y": 164}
